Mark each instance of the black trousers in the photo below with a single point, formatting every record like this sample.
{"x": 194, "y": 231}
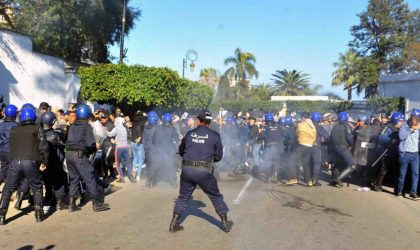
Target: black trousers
{"x": 19, "y": 169}
{"x": 81, "y": 168}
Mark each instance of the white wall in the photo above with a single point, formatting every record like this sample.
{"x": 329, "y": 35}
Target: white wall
{"x": 27, "y": 76}
{"x": 408, "y": 89}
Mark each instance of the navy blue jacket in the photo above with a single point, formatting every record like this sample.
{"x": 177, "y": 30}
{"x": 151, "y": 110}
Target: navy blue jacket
{"x": 201, "y": 144}
{"x": 80, "y": 137}
{"x": 5, "y": 128}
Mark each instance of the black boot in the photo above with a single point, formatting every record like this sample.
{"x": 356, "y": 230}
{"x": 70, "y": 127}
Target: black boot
{"x": 61, "y": 205}
{"x": 175, "y": 225}
{"x": 226, "y": 223}
{"x": 4, "y": 205}
{"x": 99, "y": 206}
{"x": 39, "y": 211}
{"x": 18, "y": 204}
{"x": 346, "y": 172}
{"x": 39, "y": 214}
{"x": 378, "y": 185}
{"x": 73, "y": 207}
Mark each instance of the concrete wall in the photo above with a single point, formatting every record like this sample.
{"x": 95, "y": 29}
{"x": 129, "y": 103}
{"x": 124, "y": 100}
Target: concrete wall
{"x": 410, "y": 90}
{"x": 27, "y": 76}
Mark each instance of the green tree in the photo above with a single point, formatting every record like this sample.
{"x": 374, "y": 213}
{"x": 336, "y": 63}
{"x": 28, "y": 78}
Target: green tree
{"x": 73, "y": 29}
{"x": 346, "y": 73}
{"x": 290, "y": 83}
{"x": 224, "y": 90}
{"x": 5, "y": 6}
{"x": 142, "y": 87}
{"x": 241, "y": 70}
{"x": 386, "y": 28}
{"x": 261, "y": 92}
{"x": 209, "y": 77}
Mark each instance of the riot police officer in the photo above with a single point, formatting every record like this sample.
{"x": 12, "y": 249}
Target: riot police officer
{"x": 80, "y": 144}
{"x": 342, "y": 140}
{"x": 274, "y": 138}
{"x": 165, "y": 140}
{"x": 322, "y": 137}
{"x": 389, "y": 140}
{"x": 199, "y": 149}
{"x": 152, "y": 120}
{"x": 54, "y": 176}
{"x": 29, "y": 156}
{"x": 10, "y": 113}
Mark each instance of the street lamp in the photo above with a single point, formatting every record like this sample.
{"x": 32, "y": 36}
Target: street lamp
{"x": 191, "y": 56}
{"x": 122, "y": 50}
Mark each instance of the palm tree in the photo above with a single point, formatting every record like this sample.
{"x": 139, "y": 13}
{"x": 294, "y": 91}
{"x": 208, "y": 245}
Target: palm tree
{"x": 261, "y": 92}
{"x": 346, "y": 73}
{"x": 291, "y": 83}
{"x": 209, "y": 76}
{"x": 242, "y": 69}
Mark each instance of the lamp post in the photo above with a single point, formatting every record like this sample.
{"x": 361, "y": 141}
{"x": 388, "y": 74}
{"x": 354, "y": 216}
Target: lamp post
{"x": 122, "y": 54}
{"x": 191, "y": 56}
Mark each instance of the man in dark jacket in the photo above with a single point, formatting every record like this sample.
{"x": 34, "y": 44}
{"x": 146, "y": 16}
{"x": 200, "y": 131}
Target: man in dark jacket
{"x": 29, "y": 156}
{"x": 9, "y": 123}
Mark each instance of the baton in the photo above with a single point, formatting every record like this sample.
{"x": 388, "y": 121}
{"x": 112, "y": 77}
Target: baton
{"x": 380, "y": 157}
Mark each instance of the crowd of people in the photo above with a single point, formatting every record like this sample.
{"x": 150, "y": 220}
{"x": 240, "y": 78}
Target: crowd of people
{"x": 73, "y": 156}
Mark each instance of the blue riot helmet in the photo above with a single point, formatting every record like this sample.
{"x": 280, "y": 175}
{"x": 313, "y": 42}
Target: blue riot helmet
{"x": 83, "y": 111}
{"x": 27, "y": 105}
{"x": 152, "y": 118}
{"x": 282, "y": 121}
{"x": 343, "y": 117}
{"x": 48, "y": 119}
{"x": 167, "y": 119}
{"x": 396, "y": 117}
{"x": 10, "y": 111}
{"x": 229, "y": 120}
{"x": 316, "y": 117}
{"x": 365, "y": 119}
{"x": 238, "y": 121}
{"x": 27, "y": 115}
{"x": 415, "y": 112}
{"x": 289, "y": 120}
{"x": 269, "y": 117}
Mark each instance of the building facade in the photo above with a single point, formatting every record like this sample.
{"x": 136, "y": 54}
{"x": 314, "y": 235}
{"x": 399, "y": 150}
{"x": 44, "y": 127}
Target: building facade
{"x": 405, "y": 85}
{"x": 30, "y": 77}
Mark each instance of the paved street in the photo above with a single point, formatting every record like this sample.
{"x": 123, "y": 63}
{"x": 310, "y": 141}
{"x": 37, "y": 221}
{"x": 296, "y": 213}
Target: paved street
{"x": 268, "y": 216}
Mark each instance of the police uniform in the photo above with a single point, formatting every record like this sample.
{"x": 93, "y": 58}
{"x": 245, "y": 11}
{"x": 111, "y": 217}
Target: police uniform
{"x": 54, "y": 176}
{"x": 149, "y": 151}
{"x": 5, "y": 128}
{"x": 80, "y": 144}
{"x": 199, "y": 149}
{"x": 165, "y": 140}
{"x": 274, "y": 140}
{"x": 28, "y": 149}
{"x": 342, "y": 139}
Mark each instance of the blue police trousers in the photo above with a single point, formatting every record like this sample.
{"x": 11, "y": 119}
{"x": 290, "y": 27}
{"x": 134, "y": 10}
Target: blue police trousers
{"x": 190, "y": 178}
{"x": 19, "y": 169}
{"x": 80, "y": 167}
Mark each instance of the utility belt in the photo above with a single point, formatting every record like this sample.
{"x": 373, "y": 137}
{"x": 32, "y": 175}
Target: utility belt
{"x": 79, "y": 152}
{"x": 199, "y": 164}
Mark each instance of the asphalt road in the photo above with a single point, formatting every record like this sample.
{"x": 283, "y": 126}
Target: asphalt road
{"x": 266, "y": 216}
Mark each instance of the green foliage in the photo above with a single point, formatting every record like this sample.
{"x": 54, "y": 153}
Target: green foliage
{"x": 346, "y": 73}
{"x": 291, "y": 83}
{"x": 209, "y": 77}
{"x": 272, "y": 106}
{"x": 261, "y": 92}
{"x": 384, "y": 104}
{"x": 241, "y": 71}
{"x": 385, "y": 30}
{"x": 142, "y": 86}
{"x": 73, "y": 29}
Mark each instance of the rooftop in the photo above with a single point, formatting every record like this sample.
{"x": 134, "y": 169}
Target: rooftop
{"x": 400, "y": 77}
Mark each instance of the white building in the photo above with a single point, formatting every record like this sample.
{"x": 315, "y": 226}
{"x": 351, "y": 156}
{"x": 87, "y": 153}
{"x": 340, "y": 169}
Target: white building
{"x": 405, "y": 85}
{"x": 30, "y": 77}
